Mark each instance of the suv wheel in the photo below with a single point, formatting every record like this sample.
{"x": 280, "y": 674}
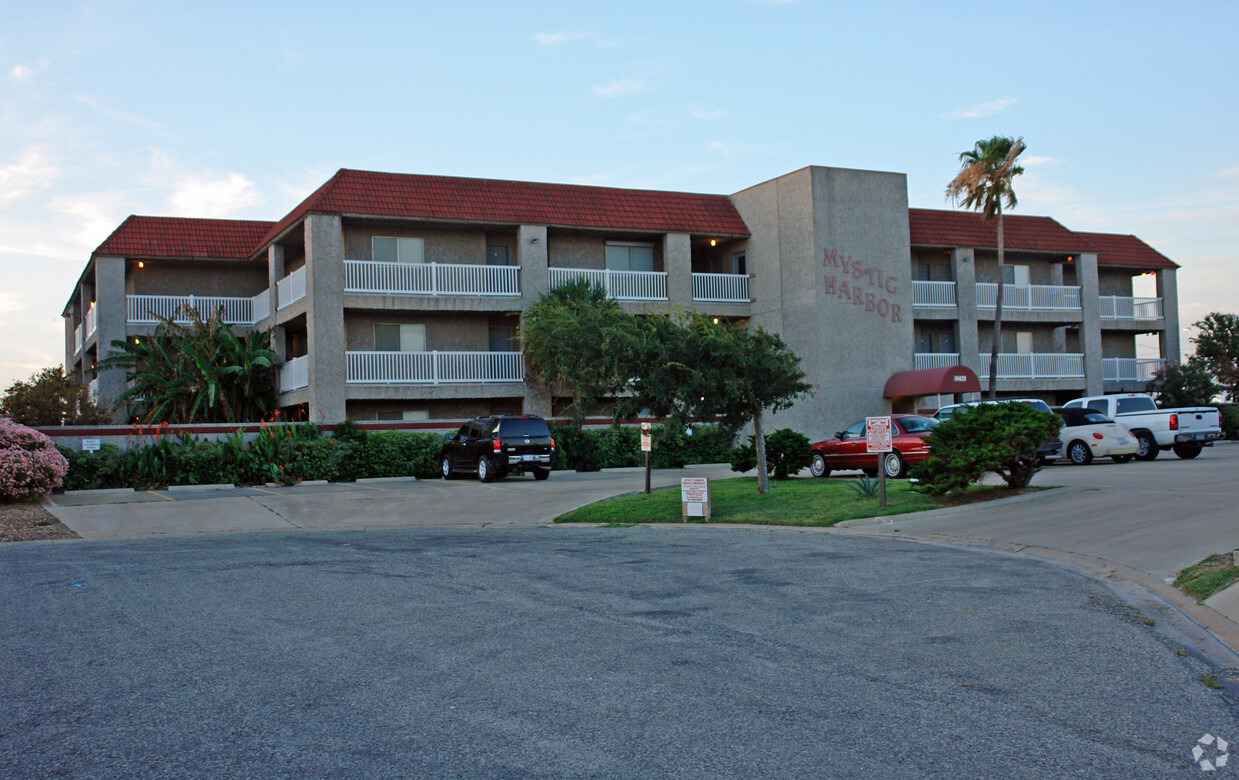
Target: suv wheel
{"x": 541, "y": 473}
{"x": 447, "y": 468}
{"x": 486, "y": 472}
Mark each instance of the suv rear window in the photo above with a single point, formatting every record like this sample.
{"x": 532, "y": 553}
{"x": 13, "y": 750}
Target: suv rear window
{"x": 532, "y": 427}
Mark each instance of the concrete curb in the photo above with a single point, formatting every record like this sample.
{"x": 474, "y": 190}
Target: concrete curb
{"x": 383, "y": 480}
{"x": 97, "y": 492}
{"x": 220, "y": 486}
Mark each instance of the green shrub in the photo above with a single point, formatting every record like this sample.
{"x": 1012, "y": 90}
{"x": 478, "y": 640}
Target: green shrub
{"x": 787, "y": 452}
{"x": 93, "y": 470}
{"x": 1002, "y": 438}
{"x": 1230, "y": 421}
{"x": 619, "y": 446}
{"x": 390, "y": 454}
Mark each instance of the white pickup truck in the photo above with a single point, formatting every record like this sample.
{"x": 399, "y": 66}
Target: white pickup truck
{"x": 1183, "y": 430}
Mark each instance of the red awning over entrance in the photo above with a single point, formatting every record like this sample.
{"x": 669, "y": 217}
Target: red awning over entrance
{"x": 932, "y": 381}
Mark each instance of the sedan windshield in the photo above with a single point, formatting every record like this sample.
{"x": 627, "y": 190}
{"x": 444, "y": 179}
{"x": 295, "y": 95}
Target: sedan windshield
{"x": 917, "y": 424}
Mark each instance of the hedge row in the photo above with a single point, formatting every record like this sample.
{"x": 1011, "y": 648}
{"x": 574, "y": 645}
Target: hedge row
{"x": 295, "y": 452}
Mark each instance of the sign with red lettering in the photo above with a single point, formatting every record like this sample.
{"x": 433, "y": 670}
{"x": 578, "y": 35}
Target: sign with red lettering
{"x": 647, "y": 438}
{"x": 865, "y": 287}
{"x": 877, "y": 434}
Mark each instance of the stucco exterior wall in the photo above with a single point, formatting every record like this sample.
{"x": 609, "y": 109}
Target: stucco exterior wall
{"x": 214, "y": 278}
{"x": 573, "y": 250}
{"x": 1114, "y": 282}
{"x": 443, "y": 333}
{"x": 464, "y": 247}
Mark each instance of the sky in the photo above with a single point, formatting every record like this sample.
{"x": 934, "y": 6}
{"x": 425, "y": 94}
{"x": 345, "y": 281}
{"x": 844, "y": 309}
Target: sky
{"x": 240, "y": 110}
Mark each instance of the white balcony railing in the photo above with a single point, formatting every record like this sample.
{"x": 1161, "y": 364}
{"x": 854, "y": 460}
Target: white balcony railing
{"x": 77, "y": 339}
{"x": 290, "y": 289}
{"x": 934, "y": 360}
{"x": 370, "y": 276}
{"x": 294, "y": 373}
{"x": 1129, "y": 369}
{"x": 260, "y": 306}
{"x": 933, "y": 294}
{"x": 92, "y": 321}
{"x": 1029, "y": 296}
{"x": 92, "y": 390}
{"x": 621, "y": 285}
{"x": 1035, "y": 365}
{"x": 149, "y": 308}
{"x": 1122, "y": 307}
{"x": 434, "y": 367}
{"x": 721, "y": 288}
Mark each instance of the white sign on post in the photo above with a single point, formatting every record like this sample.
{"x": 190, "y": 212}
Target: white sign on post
{"x": 647, "y": 442}
{"x": 877, "y": 434}
{"x": 90, "y": 445}
{"x": 695, "y": 497}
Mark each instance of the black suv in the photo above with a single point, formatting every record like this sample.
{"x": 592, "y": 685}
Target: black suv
{"x": 500, "y": 445}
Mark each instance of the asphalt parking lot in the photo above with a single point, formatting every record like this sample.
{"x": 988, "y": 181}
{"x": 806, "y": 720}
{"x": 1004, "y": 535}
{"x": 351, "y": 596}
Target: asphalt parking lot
{"x": 579, "y": 652}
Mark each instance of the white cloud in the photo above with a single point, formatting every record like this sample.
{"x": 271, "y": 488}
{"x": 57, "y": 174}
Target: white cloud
{"x": 983, "y": 109}
{"x": 213, "y": 196}
{"x": 21, "y": 73}
{"x": 1035, "y": 160}
{"x": 619, "y": 87}
{"x": 31, "y": 172}
{"x": 555, "y": 39}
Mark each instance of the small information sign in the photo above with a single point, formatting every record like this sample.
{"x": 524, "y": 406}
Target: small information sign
{"x": 90, "y": 445}
{"x": 695, "y": 497}
{"x": 877, "y": 434}
{"x": 647, "y": 440}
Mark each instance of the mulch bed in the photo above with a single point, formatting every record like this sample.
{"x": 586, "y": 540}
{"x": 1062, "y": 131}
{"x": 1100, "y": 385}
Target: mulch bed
{"x": 28, "y": 522}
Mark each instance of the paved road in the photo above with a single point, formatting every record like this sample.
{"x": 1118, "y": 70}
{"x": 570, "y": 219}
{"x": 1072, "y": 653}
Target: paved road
{"x": 576, "y": 652}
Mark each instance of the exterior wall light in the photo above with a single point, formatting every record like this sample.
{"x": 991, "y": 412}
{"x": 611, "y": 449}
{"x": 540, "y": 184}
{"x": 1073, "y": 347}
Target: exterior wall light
{"x": 141, "y": 264}
{"x": 714, "y": 242}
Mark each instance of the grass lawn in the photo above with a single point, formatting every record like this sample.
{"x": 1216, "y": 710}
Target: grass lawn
{"x": 1212, "y": 575}
{"x": 804, "y": 501}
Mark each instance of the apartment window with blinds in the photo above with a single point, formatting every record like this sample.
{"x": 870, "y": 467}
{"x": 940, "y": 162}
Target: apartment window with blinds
{"x": 387, "y": 249}
{"x": 628, "y": 256}
{"x": 399, "y": 338}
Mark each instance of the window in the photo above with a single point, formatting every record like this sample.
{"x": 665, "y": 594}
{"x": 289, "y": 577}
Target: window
{"x": 415, "y": 414}
{"x": 933, "y": 272}
{"x": 399, "y": 338}
{"x": 398, "y": 250}
{"x": 1015, "y": 274}
{"x": 1020, "y": 342}
{"x": 503, "y": 339}
{"x": 630, "y": 257}
{"x": 739, "y": 263}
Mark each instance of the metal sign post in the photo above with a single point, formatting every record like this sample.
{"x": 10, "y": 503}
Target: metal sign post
{"x": 878, "y": 439}
{"x": 647, "y": 444}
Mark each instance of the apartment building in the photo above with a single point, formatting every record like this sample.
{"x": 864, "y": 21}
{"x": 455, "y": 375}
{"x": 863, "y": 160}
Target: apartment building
{"x": 398, "y": 297}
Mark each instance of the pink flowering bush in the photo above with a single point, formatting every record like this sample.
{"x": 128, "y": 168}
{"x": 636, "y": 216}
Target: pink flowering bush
{"x": 30, "y": 466}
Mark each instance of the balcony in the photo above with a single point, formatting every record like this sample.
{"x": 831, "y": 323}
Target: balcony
{"x": 92, "y": 320}
{"x": 1129, "y": 369}
{"x": 1120, "y": 307}
{"x": 1031, "y": 297}
{"x": 721, "y": 288}
{"x": 370, "y": 276}
{"x": 149, "y": 309}
{"x": 77, "y": 339}
{"x": 1035, "y": 365}
{"x": 294, "y": 374}
{"x": 433, "y": 368}
{"x": 290, "y": 289}
{"x": 933, "y": 294}
{"x": 922, "y": 360}
{"x": 620, "y": 285}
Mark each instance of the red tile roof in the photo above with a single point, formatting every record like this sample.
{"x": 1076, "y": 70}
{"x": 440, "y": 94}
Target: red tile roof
{"x": 929, "y": 227}
{"x": 185, "y": 238}
{"x": 518, "y": 203}
{"x": 1126, "y": 251}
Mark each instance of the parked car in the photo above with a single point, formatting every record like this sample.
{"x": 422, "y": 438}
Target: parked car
{"x": 1047, "y": 451}
{"x": 1087, "y": 434}
{"x": 1184, "y": 430}
{"x": 848, "y": 449}
{"x": 493, "y": 447}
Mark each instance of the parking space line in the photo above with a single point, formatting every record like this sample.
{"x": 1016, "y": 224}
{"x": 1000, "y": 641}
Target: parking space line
{"x": 367, "y": 487}
{"x": 260, "y": 490}
{"x": 166, "y": 498}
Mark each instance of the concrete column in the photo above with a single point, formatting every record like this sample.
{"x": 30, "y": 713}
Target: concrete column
{"x": 112, "y": 312}
{"x": 275, "y": 272}
{"x": 966, "y": 338}
{"x": 324, "y": 316}
{"x": 537, "y": 398}
{"x": 678, "y": 263}
{"x": 531, "y": 256}
{"x": 1168, "y": 291}
{"x": 1090, "y": 327}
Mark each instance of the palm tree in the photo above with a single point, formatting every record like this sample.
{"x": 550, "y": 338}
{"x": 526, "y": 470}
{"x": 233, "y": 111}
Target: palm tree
{"x": 984, "y": 184}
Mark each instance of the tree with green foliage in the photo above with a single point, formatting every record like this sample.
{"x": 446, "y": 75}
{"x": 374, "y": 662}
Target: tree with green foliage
{"x": 576, "y": 337}
{"x": 693, "y": 366}
{"x": 1183, "y": 384}
{"x": 199, "y": 372}
{"x": 1217, "y": 345}
{"x": 49, "y": 398}
{"x": 984, "y": 184}
{"x": 1002, "y": 438}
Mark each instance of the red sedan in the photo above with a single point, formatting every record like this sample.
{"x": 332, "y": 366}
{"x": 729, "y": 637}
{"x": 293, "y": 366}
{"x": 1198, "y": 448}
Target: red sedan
{"x": 847, "y": 449}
